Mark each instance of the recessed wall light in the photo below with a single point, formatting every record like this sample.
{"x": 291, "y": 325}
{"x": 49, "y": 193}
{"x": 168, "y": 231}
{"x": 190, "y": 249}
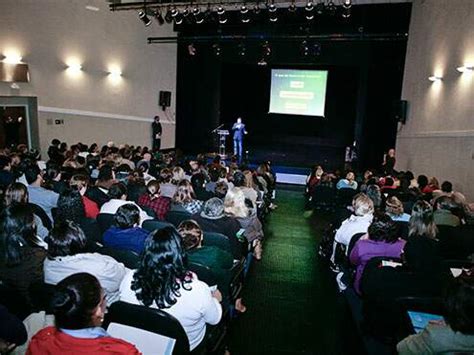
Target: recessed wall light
{"x": 12, "y": 58}
{"x": 435, "y": 78}
{"x": 465, "y": 68}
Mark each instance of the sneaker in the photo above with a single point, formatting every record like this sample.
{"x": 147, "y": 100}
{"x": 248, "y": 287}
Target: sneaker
{"x": 342, "y": 286}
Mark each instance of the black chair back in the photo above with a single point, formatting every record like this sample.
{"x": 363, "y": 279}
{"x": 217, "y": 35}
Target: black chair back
{"x": 40, "y": 296}
{"x": 176, "y": 217}
{"x": 149, "y": 319}
{"x": 154, "y": 224}
{"x": 204, "y": 273}
{"x": 217, "y": 240}
{"x": 37, "y": 210}
{"x": 402, "y": 229}
{"x": 345, "y": 196}
{"x": 127, "y": 257}
{"x": 105, "y": 221}
{"x": 355, "y": 238}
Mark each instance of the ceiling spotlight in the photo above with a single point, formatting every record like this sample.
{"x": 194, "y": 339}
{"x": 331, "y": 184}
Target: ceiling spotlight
{"x": 331, "y": 8}
{"x": 304, "y": 48}
{"x": 198, "y": 16}
{"x": 216, "y": 48}
{"x": 346, "y": 9}
{"x": 174, "y": 12}
{"x": 244, "y": 14}
{"x": 168, "y": 16}
{"x": 316, "y": 49}
{"x": 159, "y": 17}
{"x": 465, "y": 68}
{"x": 256, "y": 9}
{"x": 145, "y": 19}
{"x": 292, "y": 8}
{"x": 242, "y": 50}
{"x": 319, "y": 8}
{"x": 309, "y": 10}
{"x": 178, "y": 19}
{"x": 272, "y": 12}
{"x": 192, "y": 50}
{"x": 221, "y": 14}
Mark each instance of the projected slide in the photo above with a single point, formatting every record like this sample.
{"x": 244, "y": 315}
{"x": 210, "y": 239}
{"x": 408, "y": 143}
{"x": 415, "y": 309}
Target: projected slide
{"x": 298, "y": 92}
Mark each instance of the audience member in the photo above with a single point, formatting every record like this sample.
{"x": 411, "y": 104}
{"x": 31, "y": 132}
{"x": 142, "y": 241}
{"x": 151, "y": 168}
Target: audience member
{"x": 99, "y": 192}
{"x": 198, "y": 181}
{"x": 38, "y": 195}
{"x": 118, "y": 197}
{"x": 126, "y": 233}
{"x": 22, "y": 256}
{"x": 394, "y": 209}
{"x": 382, "y": 240}
{"x": 163, "y": 281}
{"x": 79, "y": 308}
{"x": 443, "y": 212}
{"x": 67, "y": 256}
{"x": 185, "y": 200}
{"x": 152, "y": 199}
{"x": 81, "y": 183}
{"x": 456, "y": 333}
{"x": 421, "y": 221}
{"x": 347, "y": 183}
{"x": 12, "y": 331}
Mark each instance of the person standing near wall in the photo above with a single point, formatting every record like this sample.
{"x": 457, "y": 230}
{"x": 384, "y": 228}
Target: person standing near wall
{"x": 157, "y": 130}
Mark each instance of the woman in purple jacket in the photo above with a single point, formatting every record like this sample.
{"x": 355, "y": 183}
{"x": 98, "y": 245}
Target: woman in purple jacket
{"x": 382, "y": 240}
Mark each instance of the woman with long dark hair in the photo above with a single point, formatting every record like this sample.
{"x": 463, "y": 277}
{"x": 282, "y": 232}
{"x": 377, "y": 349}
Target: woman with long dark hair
{"x": 163, "y": 281}
{"x": 78, "y": 306}
{"x": 21, "y": 258}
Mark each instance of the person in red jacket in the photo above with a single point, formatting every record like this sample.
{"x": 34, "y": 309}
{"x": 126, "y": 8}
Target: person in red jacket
{"x": 78, "y": 307}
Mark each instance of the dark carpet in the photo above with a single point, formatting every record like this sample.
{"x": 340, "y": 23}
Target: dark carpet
{"x": 292, "y": 303}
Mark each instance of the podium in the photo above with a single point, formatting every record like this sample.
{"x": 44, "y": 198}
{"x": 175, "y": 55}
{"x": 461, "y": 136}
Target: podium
{"x": 222, "y": 133}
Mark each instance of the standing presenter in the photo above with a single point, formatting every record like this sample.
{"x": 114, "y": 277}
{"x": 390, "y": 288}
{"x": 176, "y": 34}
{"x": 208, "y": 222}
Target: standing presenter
{"x": 239, "y": 132}
{"x": 157, "y": 130}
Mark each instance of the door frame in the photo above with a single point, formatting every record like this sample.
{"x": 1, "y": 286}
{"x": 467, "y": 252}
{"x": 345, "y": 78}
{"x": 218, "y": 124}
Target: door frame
{"x": 30, "y": 103}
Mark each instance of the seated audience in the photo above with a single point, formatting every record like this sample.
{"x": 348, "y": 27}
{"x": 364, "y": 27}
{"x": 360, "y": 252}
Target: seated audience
{"x": 381, "y": 240}
{"x": 235, "y": 206}
{"x": 220, "y": 191}
{"x": 163, "y": 281}
{"x": 21, "y": 260}
{"x": 313, "y": 179}
{"x": 184, "y": 199}
{"x": 135, "y": 185}
{"x": 6, "y": 175}
{"x": 199, "y": 185}
{"x": 374, "y": 193}
{"x": 421, "y": 221}
{"x": 118, "y": 197}
{"x": 244, "y": 181}
{"x": 152, "y": 199}
{"x": 358, "y": 222}
{"x": 454, "y": 335}
{"x": 347, "y": 183}
{"x": 17, "y": 193}
{"x": 99, "y": 192}
{"x": 213, "y": 219}
{"x": 394, "y": 209}
{"x": 78, "y": 306}
{"x": 81, "y": 183}
{"x": 67, "y": 256}
{"x": 166, "y": 187}
{"x": 443, "y": 212}
{"x": 38, "y": 195}
{"x": 126, "y": 234}
{"x": 12, "y": 331}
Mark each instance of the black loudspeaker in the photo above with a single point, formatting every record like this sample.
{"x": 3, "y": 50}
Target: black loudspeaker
{"x": 165, "y": 99}
{"x": 400, "y": 111}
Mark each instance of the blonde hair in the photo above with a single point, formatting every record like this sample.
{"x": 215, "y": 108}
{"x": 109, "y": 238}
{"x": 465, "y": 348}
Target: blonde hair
{"x": 184, "y": 192}
{"x": 178, "y": 175}
{"x": 394, "y": 206}
{"x": 363, "y": 205}
{"x": 234, "y": 203}
{"x": 249, "y": 179}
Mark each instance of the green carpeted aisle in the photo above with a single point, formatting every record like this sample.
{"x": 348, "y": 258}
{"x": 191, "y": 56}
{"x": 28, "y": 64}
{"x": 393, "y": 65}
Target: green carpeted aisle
{"x": 293, "y": 307}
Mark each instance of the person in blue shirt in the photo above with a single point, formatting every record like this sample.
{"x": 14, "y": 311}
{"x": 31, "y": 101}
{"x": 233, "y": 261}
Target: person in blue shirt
{"x": 239, "y": 132}
{"x": 126, "y": 234}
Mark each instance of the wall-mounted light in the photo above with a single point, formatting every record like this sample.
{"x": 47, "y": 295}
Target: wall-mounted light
{"x": 12, "y": 58}
{"x": 115, "y": 72}
{"x": 74, "y": 66}
{"x": 435, "y": 78}
{"x": 465, "y": 69}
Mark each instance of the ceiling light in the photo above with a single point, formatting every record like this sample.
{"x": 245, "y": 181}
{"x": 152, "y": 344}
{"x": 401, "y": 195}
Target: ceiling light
{"x": 216, "y": 49}
{"x": 272, "y": 12}
{"x": 346, "y": 9}
{"x": 244, "y": 14}
{"x": 309, "y": 10}
{"x": 221, "y": 14}
{"x": 92, "y": 8}
{"x": 435, "y": 78}
{"x": 331, "y": 8}
{"x": 159, "y": 18}
{"x": 292, "y": 8}
{"x": 242, "y": 50}
{"x": 145, "y": 19}
{"x": 12, "y": 58}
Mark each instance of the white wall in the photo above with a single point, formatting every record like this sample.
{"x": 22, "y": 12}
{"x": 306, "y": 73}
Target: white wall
{"x": 438, "y": 138}
{"x": 49, "y": 33}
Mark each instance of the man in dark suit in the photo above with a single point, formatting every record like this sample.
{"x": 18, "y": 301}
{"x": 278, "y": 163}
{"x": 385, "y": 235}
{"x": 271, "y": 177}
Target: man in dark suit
{"x": 239, "y": 132}
{"x": 156, "y": 131}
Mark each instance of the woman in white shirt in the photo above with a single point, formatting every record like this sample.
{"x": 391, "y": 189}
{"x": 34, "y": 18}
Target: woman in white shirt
{"x": 163, "y": 281}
